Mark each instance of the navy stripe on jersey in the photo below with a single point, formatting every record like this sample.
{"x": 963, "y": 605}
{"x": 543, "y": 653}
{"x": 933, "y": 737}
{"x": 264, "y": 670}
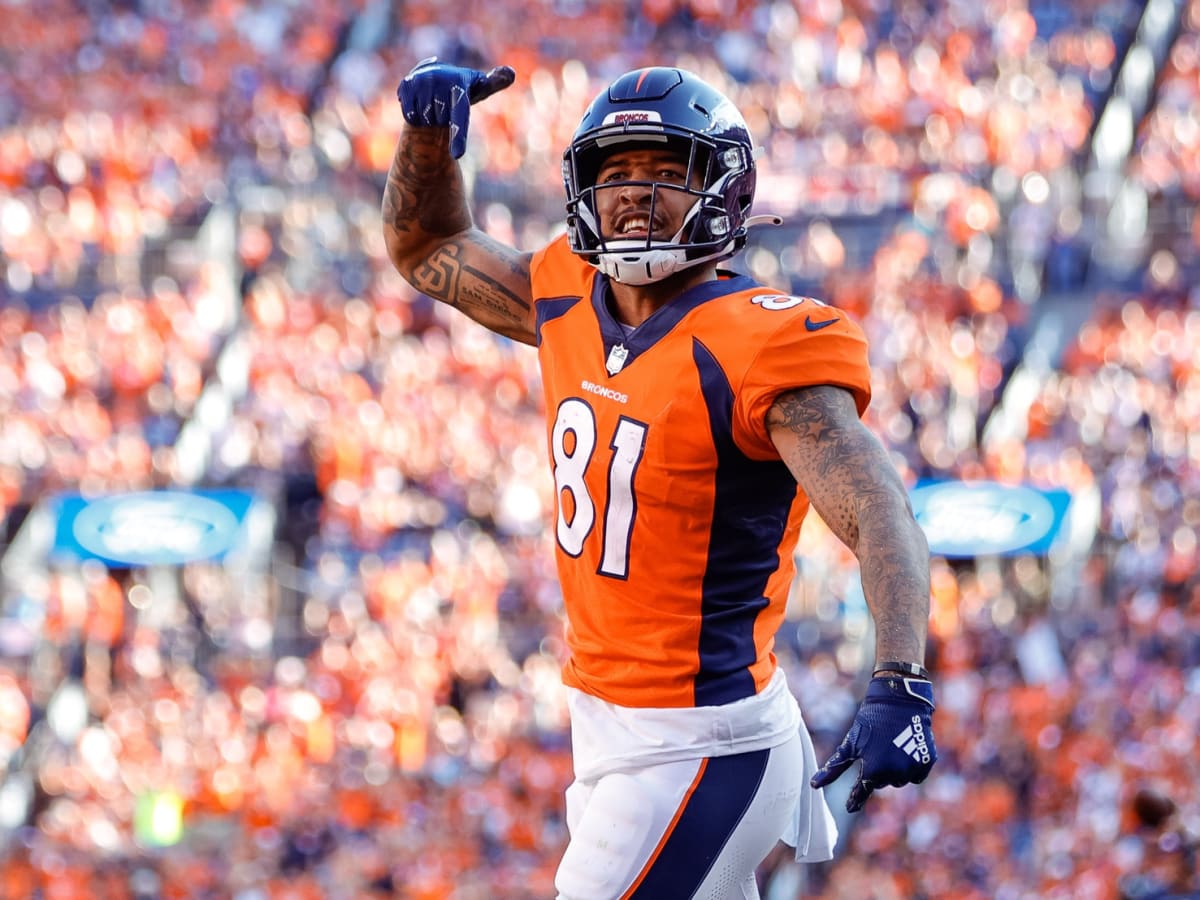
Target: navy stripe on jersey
{"x": 663, "y": 319}
{"x": 750, "y": 513}
{"x": 550, "y": 308}
{"x": 713, "y": 811}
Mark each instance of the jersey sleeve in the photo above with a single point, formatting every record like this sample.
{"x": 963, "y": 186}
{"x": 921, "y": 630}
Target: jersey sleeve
{"x": 544, "y": 258}
{"x": 797, "y": 354}
{"x": 555, "y": 267}
{"x": 559, "y": 279}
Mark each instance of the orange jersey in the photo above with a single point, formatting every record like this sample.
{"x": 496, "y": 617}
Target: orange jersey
{"x": 676, "y": 519}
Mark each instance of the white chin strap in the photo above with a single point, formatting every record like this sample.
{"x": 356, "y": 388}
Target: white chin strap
{"x": 629, "y": 262}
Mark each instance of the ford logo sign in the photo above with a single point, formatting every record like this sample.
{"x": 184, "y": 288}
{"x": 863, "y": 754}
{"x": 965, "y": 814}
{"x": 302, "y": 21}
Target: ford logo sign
{"x": 152, "y": 527}
{"x": 966, "y": 519}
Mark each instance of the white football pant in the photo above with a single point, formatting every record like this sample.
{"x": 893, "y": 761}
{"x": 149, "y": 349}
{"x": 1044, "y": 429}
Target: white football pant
{"x": 680, "y": 830}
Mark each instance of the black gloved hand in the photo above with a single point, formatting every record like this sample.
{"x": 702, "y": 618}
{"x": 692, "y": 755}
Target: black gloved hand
{"x": 892, "y": 733}
{"x": 438, "y": 95}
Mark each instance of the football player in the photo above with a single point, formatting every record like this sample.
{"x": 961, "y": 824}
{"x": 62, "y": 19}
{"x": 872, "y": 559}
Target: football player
{"x": 693, "y": 418}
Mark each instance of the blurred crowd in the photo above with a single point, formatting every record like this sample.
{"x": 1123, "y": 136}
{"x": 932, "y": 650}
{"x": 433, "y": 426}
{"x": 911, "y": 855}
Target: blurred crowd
{"x": 381, "y": 716}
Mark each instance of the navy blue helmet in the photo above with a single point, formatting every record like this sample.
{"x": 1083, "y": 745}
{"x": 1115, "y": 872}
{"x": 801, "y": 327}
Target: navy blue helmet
{"x": 678, "y": 110}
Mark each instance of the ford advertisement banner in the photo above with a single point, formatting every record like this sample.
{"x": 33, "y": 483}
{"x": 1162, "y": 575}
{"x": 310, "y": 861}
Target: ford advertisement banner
{"x": 169, "y": 527}
{"x": 985, "y": 518}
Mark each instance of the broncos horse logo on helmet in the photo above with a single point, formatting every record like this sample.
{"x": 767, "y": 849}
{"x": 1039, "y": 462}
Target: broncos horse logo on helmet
{"x": 675, "y": 108}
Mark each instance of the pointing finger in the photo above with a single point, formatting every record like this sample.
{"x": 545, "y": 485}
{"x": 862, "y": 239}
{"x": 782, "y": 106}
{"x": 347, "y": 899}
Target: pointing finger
{"x": 495, "y": 81}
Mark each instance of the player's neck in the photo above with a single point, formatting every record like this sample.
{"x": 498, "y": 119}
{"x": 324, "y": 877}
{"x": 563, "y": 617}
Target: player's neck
{"x": 633, "y": 304}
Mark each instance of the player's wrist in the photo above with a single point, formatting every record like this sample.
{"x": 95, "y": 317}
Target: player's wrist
{"x": 902, "y": 668}
{"x": 891, "y": 687}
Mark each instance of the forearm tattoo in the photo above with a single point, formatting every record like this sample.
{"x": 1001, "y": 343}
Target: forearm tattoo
{"x": 445, "y": 276}
{"x": 425, "y": 192}
{"x": 434, "y": 246}
{"x": 855, "y": 488}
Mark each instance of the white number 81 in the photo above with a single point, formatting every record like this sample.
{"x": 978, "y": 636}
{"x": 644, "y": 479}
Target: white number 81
{"x": 628, "y": 443}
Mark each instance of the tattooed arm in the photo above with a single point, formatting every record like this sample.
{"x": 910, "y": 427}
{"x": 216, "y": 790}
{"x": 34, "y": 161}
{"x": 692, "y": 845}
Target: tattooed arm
{"x": 854, "y": 487}
{"x": 434, "y": 245}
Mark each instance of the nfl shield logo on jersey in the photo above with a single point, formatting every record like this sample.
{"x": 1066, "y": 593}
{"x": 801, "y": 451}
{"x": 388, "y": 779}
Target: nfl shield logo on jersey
{"x": 616, "y": 359}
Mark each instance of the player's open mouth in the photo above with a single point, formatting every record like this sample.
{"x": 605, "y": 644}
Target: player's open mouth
{"x": 635, "y": 226}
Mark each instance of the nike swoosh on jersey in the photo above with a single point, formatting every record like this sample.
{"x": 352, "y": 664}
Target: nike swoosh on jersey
{"x": 817, "y": 326}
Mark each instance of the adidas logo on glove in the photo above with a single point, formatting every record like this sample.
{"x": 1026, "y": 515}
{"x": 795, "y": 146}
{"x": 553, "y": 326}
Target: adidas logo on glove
{"x": 912, "y": 741}
{"x": 892, "y": 705}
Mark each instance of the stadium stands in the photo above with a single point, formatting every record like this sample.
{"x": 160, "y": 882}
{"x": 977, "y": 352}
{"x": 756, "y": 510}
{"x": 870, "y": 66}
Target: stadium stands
{"x": 378, "y": 714}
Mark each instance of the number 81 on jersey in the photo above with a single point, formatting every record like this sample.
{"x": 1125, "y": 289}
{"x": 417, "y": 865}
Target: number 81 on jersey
{"x": 571, "y": 460}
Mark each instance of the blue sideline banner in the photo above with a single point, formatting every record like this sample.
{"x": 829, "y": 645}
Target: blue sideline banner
{"x": 151, "y": 527}
{"x": 985, "y": 518}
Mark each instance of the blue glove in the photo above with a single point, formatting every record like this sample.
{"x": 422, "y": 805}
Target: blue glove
{"x": 892, "y": 733}
{"x": 437, "y": 95}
